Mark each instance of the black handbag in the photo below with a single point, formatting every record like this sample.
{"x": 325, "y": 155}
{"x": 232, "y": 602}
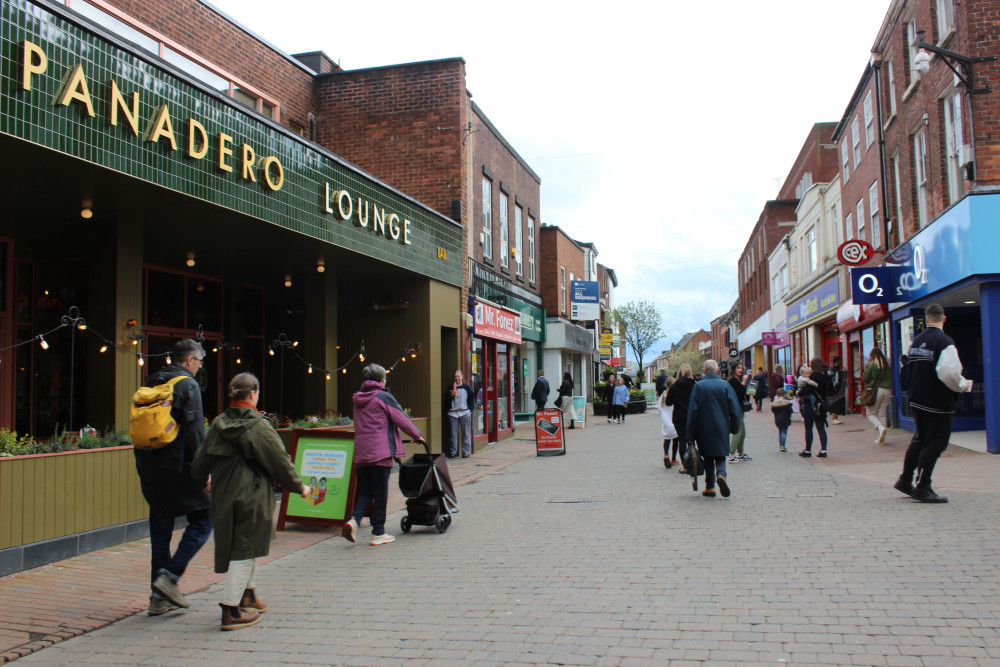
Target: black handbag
{"x": 693, "y": 463}
{"x": 746, "y": 405}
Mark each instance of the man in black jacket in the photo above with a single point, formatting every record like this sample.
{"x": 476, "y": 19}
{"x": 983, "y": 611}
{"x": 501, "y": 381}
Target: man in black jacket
{"x": 540, "y": 392}
{"x": 165, "y": 477}
{"x": 935, "y": 378}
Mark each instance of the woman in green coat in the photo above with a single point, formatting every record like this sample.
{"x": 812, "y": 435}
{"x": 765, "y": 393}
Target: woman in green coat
{"x": 878, "y": 373}
{"x": 242, "y": 453}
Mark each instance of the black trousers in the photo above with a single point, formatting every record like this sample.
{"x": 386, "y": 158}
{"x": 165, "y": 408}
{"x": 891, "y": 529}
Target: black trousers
{"x": 929, "y": 441}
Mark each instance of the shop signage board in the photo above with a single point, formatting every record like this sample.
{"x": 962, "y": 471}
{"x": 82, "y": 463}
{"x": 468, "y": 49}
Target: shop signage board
{"x": 323, "y": 459}
{"x": 584, "y": 300}
{"x": 550, "y": 437}
{"x": 821, "y": 301}
{"x": 774, "y": 338}
{"x": 873, "y": 284}
{"x": 498, "y": 323}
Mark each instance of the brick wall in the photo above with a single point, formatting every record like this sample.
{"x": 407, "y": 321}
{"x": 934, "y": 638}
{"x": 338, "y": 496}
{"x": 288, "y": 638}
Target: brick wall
{"x": 557, "y": 249}
{"x": 817, "y": 157}
{"x": 776, "y": 220}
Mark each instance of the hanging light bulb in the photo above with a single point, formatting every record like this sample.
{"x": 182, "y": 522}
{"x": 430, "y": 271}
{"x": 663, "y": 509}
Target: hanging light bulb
{"x": 190, "y": 259}
{"x": 270, "y": 351}
{"x": 295, "y": 343}
{"x": 44, "y": 343}
{"x": 310, "y": 368}
{"x": 168, "y": 360}
{"x": 238, "y": 361}
{"x": 135, "y": 341}
{"x": 288, "y": 280}
{"x": 328, "y": 375}
{"x": 344, "y": 370}
{"x": 104, "y": 348}
{"x": 141, "y": 361}
{"x": 361, "y": 357}
{"x": 403, "y": 358}
{"x": 320, "y": 266}
{"x": 81, "y": 326}
{"x": 215, "y": 349}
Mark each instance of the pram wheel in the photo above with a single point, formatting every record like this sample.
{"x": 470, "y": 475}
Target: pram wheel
{"x": 442, "y": 523}
{"x": 405, "y": 524}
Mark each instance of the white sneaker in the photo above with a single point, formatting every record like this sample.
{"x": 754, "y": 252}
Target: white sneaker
{"x": 836, "y": 421}
{"x": 881, "y": 435}
{"x": 382, "y": 539}
{"x": 350, "y": 531}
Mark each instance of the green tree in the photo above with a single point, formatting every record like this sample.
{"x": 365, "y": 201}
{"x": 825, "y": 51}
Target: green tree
{"x": 692, "y": 359}
{"x": 639, "y": 323}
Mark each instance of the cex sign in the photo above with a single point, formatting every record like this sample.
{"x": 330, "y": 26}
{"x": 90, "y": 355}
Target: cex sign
{"x": 493, "y": 322}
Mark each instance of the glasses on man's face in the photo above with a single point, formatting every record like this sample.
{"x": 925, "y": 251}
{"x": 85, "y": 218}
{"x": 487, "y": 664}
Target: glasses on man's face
{"x": 200, "y": 360}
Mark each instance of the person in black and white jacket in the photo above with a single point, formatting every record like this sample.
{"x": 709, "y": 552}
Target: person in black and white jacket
{"x": 935, "y": 379}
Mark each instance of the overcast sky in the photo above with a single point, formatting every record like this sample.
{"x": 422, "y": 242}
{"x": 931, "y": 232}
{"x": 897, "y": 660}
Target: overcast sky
{"x": 659, "y": 128}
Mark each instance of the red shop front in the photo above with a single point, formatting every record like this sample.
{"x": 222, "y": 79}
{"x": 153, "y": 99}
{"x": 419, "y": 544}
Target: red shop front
{"x": 864, "y": 326}
{"x": 496, "y": 340}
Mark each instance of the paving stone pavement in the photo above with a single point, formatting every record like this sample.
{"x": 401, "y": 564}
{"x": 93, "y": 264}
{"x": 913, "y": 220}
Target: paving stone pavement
{"x": 604, "y": 557}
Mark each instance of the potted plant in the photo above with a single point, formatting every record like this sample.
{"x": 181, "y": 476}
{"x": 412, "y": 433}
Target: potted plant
{"x": 600, "y": 406}
{"x": 636, "y": 401}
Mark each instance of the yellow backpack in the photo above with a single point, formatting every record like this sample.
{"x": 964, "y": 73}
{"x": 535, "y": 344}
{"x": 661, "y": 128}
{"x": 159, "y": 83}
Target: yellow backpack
{"x": 150, "y": 425}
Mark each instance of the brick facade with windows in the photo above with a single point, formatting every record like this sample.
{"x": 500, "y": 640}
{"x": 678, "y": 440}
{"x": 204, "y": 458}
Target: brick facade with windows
{"x": 559, "y": 251}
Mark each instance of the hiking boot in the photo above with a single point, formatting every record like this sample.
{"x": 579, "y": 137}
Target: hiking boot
{"x": 168, "y": 588}
{"x": 903, "y": 486}
{"x": 159, "y": 606}
{"x": 723, "y": 486}
{"x": 233, "y": 618}
{"x": 925, "y": 494}
{"x": 350, "y": 530}
{"x": 708, "y": 493}
{"x": 382, "y": 539}
{"x": 251, "y": 602}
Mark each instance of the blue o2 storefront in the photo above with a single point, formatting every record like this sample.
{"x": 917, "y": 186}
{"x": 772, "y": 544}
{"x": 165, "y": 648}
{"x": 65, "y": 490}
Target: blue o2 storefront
{"x": 955, "y": 261}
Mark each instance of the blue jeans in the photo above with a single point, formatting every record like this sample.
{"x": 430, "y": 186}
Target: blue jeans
{"x": 195, "y": 535}
{"x": 373, "y": 489}
{"x": 714, "y": 466}
{"x": 461, "y": 432}
{"x": 782, "y": 437}
{"x": 810, "y": 417}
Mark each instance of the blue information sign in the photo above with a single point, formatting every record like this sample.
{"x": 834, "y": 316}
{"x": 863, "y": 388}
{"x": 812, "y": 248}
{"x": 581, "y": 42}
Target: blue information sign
{"x": 871, "y": 285}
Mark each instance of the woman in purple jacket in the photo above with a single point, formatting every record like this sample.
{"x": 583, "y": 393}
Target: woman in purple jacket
{"x": 378, "y": 418}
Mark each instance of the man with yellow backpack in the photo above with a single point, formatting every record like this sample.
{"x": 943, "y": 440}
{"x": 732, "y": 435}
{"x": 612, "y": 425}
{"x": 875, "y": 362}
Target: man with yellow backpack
{"x": 167, "y": 428}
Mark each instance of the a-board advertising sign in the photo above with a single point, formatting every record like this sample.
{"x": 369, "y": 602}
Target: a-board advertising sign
{"x": 649, "y": 388}
{"x": 323, "y": 460}
{"x": 550, "y": 437}
{"x": 580, "y": 411}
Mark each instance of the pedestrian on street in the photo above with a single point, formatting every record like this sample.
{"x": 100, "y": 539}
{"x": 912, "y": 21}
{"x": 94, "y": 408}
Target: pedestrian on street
{"x": 837, "y": 405}
{"x": 738, "y": 382}
{"x": 781, "y": 407}
{"x": 620, "y": 400}
{"x": 165, "y": 478}
{"x": 378, "y": 419}
{"x": 242, "y": 455}
{"x": 776, "y": 382}
{"x": 661, "y": 382}
{"x": 460, "y": 401}
{"x": 935, "y": 375}
{"x": 564, "y": 401}
{"x": 713, "y": 414}
{"x": 667, "y": 428}
{"x": 878, "y": 373}
{"x": 759, "y": 387}
{"x": 679, "y": 396}
{"x": 812, "y": 389}
{"x": 540, "y": 392}
{"x": 608, "y": 394}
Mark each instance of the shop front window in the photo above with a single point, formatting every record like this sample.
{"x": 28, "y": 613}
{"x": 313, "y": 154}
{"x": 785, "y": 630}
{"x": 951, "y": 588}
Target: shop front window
{"x": 503, "y": 388}
{"x": 476, "y": 381}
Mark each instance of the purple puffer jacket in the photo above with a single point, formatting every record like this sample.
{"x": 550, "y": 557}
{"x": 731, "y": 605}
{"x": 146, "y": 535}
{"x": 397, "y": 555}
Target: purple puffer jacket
{"x": 378, "y": 419}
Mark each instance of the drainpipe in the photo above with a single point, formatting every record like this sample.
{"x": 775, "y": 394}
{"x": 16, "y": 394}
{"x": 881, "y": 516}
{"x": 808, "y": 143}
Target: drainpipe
{"x": 876, "y": 63}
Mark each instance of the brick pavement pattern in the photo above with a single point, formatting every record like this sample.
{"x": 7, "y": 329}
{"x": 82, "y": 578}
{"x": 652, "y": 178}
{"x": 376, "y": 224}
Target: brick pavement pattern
{"x": 604, "y": 557}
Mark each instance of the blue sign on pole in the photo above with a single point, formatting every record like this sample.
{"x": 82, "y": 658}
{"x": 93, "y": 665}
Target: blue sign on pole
{"x": 585, "y": 303}
{"x": 871, "y": 285}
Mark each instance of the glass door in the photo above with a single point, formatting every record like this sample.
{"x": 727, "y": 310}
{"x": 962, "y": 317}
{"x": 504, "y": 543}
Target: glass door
{"x": 490, "y": 398}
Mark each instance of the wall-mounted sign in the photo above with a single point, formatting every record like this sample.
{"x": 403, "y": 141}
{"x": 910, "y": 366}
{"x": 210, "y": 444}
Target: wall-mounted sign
{"x": 872, "y": 285}
{"x": 821, "y": 301}
{"x": 584, "y": 300}
{"x": 774, "y": 338}
{"x": 499, "y": 323}
{"x": 855, "y": 252}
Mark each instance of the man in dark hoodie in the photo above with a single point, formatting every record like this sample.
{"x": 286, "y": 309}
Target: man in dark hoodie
{"x": 165, "y": 478}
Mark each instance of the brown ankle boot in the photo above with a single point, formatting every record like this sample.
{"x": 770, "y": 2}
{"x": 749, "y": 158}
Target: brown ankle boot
{"x": 251, "y": 602}
{"x": 233, "y": 618}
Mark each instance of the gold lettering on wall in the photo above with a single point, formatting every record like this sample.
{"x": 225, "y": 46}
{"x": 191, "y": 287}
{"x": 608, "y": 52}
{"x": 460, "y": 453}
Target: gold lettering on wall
{"x": 32, "y": 52}
{"x": 225, "y": 151}
{"x": 265, "y": 166}
{"x": 160, "y": 127}
{"x": 74, "y": 89}
{"x": 248, "y": 158}
{"x": 196, "y": 128}
{"x": 118, "y": 102}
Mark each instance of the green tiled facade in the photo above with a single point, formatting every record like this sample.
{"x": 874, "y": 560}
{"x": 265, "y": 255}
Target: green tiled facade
{"x": 435, "y": 248}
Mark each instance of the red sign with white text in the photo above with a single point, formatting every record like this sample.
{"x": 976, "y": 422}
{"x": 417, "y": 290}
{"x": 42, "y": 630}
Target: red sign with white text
{"x": 855, "y": 252}
{"x": 549, "y": 434}
{"x": 498, "y": 323}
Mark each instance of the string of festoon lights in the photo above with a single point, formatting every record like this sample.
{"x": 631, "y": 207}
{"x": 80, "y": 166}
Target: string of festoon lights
{"x": 135, "y": 338}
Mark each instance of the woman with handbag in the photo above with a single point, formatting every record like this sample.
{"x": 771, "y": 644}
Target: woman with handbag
{"x": 738, "y": 381}
{"x": 811, "y": 391}
{"x": 679, "y": 396}
{"x": 565, "y": 398}
{"x": 878, "y": 387}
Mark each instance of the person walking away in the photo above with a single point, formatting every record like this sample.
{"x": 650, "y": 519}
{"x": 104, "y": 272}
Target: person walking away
{"x": 738, "y": 382}
{"x": 878, "y": 373}
{"x": 759, "y": 388}
{"x": 776, "y": 382}
{"x": 165, "y": 478}
{"x": 667, "y": 428}
{"x": 679, "y": 396}
{"x": 713, "y": 414}
{"x": 620, "y": 399}
{"x": 608, "y": 394}
{"x": 378, "y": 419}
{"x": 242, "y": 455}
{"x": 812, "y": 389}
{"x": 564, "y": 401}
{"x": 661, "y": 382}
{"x": 935, "y": 380}
{"x": 781, "y": 407}
{"x": 460, "y": 401}
{"x": 540, "y": 392}
{"x": 838, "y": 391}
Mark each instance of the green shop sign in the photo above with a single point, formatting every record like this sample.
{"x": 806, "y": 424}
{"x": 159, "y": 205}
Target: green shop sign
{"x": 65, "y": 88}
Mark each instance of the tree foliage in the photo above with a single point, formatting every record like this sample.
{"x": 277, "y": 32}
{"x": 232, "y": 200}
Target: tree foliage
{"x": 639, "y": 323}
{"x": 689, "y": 357}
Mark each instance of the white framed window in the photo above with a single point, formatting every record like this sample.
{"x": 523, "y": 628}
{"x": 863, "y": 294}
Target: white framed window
{"x": 562, "y": 289}
{"x": 843, "y": 160}
{"x": 812, "y": 251}
{"x": 911, "y": 45}
{"x": 873, "y": 214}
{"x": 899, "y": 206}
{"x": 849, "y": 226}
{"x": 953, "y": 146}
{"x": 531, "y": 249}
{"x": 784, "y": 279}
{"x": 920, "y": 175}
{"x": 856, "y": 142}
{"x": 890, "y": 74}
{"x": 504, "y": 240}
{"x": 518, "y": 241}
{"x": 869, "y": 121}
{"x": 945, "y": 17}
{"x": 859, "y": 214}
{"x": 487, "y": 218}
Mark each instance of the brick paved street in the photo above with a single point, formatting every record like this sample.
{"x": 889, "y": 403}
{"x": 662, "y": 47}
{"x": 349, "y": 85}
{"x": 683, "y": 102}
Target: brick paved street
{"x": 603, "y": 557}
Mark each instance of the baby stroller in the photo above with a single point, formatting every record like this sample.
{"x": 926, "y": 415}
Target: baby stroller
{"x": 430, "y": 497}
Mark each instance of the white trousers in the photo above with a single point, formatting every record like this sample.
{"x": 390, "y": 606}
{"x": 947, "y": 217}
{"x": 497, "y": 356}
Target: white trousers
{"x": 241, "y": 576}
{"x": 876, "y": 411}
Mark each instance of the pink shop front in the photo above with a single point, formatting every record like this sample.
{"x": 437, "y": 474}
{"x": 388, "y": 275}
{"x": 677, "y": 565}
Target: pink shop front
{"x": 495, "y": 355}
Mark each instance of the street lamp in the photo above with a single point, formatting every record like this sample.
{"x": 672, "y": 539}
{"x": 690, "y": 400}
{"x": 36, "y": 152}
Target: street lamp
{"x": 922, "y": 62}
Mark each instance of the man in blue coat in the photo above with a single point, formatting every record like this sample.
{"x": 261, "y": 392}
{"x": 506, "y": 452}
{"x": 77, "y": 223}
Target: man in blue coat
{"x": 713, "y": 414}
